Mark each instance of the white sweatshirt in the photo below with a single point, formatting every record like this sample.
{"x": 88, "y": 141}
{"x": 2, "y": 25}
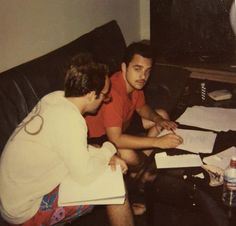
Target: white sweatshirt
{"x": 33, "y": 165}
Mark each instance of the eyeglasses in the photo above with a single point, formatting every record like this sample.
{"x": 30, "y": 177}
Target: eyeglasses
{"x": 106, "y": 97}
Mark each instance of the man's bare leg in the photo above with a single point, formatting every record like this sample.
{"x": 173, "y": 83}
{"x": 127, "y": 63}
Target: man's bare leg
{"x": 120, "y": 215}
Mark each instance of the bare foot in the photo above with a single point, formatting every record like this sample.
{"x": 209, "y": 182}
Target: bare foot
{"x": 138, "y": 209}
{"x": 148, "y": 177}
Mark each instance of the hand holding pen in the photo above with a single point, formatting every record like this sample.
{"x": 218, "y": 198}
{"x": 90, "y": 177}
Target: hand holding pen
{"x": 170, "y": 140}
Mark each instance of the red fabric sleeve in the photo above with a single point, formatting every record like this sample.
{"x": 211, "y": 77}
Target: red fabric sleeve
{"x": 113, "y": 111}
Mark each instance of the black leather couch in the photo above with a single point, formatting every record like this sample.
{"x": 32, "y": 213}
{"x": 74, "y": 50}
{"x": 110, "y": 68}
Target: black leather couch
{"x": 22, "y": 86}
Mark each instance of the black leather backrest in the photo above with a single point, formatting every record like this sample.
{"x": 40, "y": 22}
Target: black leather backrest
{"x": 111, "y": 49}
{"x": 165, "y": 86}
{"x": 21, "y": 87}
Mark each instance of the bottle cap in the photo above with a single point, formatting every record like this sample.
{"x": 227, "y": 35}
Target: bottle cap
{"x": 233, "y": 161}
{"x": 233, "y": 157}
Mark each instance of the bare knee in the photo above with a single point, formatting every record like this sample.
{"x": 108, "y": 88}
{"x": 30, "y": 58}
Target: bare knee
{"x": 147, "y": 124}
{"x": 163, "y": 113}
{"x": 154, "y": 129}
{"x": 129, "y": 156}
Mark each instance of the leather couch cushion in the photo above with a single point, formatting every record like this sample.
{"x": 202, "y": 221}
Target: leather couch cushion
{"x": 21, "y": 87}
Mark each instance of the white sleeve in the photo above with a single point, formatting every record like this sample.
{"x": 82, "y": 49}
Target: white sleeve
{"x": 83, "y": 165}
{"x": 96, "y": 151}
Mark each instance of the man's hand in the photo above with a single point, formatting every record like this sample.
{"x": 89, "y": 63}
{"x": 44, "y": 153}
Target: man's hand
{"x": 116, "y": 160}
{"x": 166, "y": 124}
{"x": 168, "y": 141}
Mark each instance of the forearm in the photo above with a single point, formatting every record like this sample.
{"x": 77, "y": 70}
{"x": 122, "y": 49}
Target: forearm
{"x": 148, "y": 113}
{"x": 95, "y": 162}
{"x": 89, "y": 168}
{"x": 133, "y": 142}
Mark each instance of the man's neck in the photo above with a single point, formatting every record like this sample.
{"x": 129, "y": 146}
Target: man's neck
{"x": 129, "y": 89}
{"x": 78, "y": 102}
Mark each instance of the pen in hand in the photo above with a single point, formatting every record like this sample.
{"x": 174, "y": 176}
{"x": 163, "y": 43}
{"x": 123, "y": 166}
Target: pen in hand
{"x": 173, "y": 131}
{"x": 181, "y": 139}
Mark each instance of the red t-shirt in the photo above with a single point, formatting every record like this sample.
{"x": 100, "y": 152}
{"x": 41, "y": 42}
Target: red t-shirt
{"x": 119, "y": 111}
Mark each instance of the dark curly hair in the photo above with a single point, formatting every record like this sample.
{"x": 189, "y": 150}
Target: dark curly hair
{"x": 142, "y": 48}
{"x": 84, "y": 75}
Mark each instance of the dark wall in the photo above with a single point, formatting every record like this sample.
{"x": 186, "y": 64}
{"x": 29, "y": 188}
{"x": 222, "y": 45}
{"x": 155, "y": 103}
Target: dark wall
{"x": 192, "y": 30}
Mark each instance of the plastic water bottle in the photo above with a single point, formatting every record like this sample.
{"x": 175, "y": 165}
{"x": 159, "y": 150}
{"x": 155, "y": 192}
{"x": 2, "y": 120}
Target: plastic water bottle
{"x": 229, "y": 187}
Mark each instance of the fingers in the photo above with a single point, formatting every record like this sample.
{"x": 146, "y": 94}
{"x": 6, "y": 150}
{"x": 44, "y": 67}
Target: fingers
{"x": 179, "y": 139}
{"x": 124, "y": 170}
{"x": 118, "y": 161}
{"x": 166, "y": 124}
{"x": 113, "y": 166}
{"x": 175, "y": 138}
{"x": 123, "y": 166}
{"x": 169, "y": 140}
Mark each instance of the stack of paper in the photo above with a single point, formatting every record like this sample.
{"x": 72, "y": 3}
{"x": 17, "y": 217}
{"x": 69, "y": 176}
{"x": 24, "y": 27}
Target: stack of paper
{"x": 213, "y": 118}
{"x": 108, "y": 188}
{"x": 195, "y": 141}
{"x": 177, "y": 161}
{"x": 221, "y": 159}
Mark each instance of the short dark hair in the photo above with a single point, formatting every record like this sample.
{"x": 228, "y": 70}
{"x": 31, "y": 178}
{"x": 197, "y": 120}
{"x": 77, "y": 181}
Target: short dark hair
{"x": 84, "y": 75}
{"x": 142, "y": 48}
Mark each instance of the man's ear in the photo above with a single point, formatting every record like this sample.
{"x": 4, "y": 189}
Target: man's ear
{"x": 91, "y": 96}
{"x": 123, "y": 67}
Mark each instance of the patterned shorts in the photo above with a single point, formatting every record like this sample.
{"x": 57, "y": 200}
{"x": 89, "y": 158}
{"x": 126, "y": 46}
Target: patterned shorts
{"x": 50, "y": 213}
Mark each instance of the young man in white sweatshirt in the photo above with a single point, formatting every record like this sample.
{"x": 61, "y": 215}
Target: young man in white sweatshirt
{"x": 51, "y": 144}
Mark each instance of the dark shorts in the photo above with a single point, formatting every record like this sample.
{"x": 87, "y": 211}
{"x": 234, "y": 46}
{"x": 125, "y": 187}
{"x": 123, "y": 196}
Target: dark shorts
{"x": 135, "y": 128}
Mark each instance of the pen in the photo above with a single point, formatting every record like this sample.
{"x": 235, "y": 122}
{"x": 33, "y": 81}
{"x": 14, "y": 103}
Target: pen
{"x": 173, "y": 131}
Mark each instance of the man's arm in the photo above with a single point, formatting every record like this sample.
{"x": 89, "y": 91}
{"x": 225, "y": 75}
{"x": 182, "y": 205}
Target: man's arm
{"x": 84, "y": 163}
{"x": 148, "y": 113}
{"x": 122, "y": 140}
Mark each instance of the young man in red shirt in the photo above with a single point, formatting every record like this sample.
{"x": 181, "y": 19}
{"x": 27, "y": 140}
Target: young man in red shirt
{"x": 125, "y": 114}
{"x": 128, "y": 110}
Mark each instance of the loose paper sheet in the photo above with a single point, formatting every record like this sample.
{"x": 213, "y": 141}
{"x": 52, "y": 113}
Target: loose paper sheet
{"x": 108, "y": 188}
{"x": 195, "y": 141}
{"x": 177, "y": 161}
{"x": 213, "y": 118}
{"x": 221, "y": 159}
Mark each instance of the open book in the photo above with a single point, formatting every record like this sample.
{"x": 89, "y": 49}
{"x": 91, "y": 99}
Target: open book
{"x": 108, "y": 188}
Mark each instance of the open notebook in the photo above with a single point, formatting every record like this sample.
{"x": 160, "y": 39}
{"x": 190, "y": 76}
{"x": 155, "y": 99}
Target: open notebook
{"x": 108, "y": 188}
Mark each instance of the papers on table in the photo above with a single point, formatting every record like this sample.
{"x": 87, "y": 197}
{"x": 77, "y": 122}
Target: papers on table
{"x": 108, "y": 188}
{"x": 177, "y": 161}
{"x": 195, "y": 141}
{"x": 213, "y": 118}
{"x": 221, "y": 159}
